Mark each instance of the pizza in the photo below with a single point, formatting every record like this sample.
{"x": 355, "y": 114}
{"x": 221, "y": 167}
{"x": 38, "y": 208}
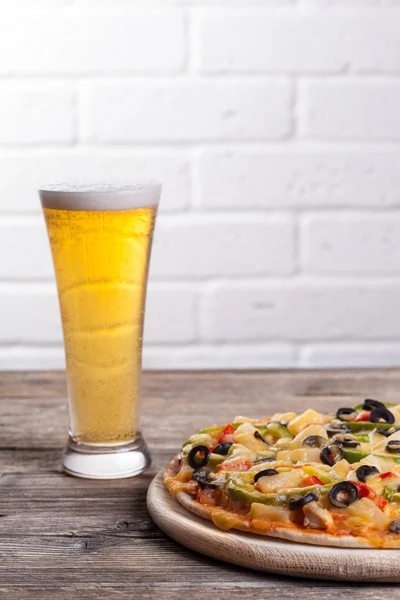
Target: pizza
{"x": 313, "y": 478}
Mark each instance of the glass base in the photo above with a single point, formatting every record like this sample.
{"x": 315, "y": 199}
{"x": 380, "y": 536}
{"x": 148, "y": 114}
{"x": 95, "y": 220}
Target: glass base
{"x": 106, "y": 462}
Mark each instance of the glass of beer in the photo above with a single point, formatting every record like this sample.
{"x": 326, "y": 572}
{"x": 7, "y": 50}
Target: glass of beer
{"x": 100, "y": 238}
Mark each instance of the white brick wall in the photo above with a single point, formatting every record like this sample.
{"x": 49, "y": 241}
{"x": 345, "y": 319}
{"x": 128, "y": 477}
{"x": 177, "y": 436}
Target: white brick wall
{"x": 172, "y": 111}
{"x": 275, "y": 128}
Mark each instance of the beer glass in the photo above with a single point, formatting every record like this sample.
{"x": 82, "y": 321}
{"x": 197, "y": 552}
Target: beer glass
{"x": 100, "y": 238}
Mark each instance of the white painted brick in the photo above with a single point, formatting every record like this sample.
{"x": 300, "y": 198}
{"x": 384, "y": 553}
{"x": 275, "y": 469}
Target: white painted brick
{"x": 29, "y": 315}
{"x": 302, "y": 311}
{"x": 24, "y": 4}
{"x": 36, "y": 114}
{"x": 171, "y": 315}
{"x": 350, "y": 3}
{"x": 298, "y": 178}
{"x": 307, "y": 43}
{"x": 351, "y": 244}
{"x": 266, "y": 356}
{"x": 211, "y": 3}
{"x": 101, "y": 41}
{"x": 223, "y": 246}
{"x": 360, "y": 110}
{"x": 23, "y": 173}
{"x": 26, "y": 246}
{"x": 19, "y": 358}
{"x": 351, "y": 355}
{"x": 187, "y": 112}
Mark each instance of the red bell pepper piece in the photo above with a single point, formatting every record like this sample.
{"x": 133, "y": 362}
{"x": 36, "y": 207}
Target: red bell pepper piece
{"x": 229, "y": 430}
{"x": 242, "y": 464}
{"x": 363, "y": 490}
{"x": 387, "y": 474}
{"x": 363, "y": 416}
{"x": 312, "y": 480}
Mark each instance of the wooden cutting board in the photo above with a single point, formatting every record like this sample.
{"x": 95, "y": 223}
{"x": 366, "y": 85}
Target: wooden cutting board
{"x": 268, "y": 554}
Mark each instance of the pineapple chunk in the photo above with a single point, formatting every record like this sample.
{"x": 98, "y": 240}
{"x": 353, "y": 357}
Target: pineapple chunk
{"x": 309, "y": 417}
{"x": 287, "y": 479}
{"x": 342, "y": 467}
{"x": 283, "y": 455}
{"x": 300, "y": 455}
{"x": 365, "y": 513}
{"x": 284, "y": 417}
{"x": 185, "y": 473}
{"x": 244, "y": 435}
{"x": 277, "y": 514}
{"x": 305, "y": 433}
{"x": 306, "y": 455}
{"x": 241, "y": 419}
{"x": 238, "y": 450}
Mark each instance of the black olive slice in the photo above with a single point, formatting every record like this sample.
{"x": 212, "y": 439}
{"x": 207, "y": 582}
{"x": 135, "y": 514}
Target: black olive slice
{"x": 258, "y": 436}
{"x": 393, "y": 447}
{"x": 346, "y": 414}
{"x": 331, "y": 454}
{"x": 334, "y": 428}
{"x": 266, "y": 459}
{"x": 314, "y": 441}
{"x": 346, "y": 441}
{"x": 370, "y": 404}
{"x": 265, "y": 473}
{"x": 386, "y": 432}
{"x": 381, "y": 415}
{"x": 343, "y": 494}
{"x": 222, "y": 449}
{"x": 300, "y": 502}
{"x": 197, "y": 464}
{"x": 394, "y": 526}
{"x": 202, "y": 477}
{"x": 365, "y": 471}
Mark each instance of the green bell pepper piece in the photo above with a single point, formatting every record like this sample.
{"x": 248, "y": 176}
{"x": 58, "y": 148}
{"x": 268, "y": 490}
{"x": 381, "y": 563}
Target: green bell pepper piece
{"x": 248, "y": 495}
{"x": 215, "y": 460}
{"x": 367, "y": 426}
{"x": 353, "y": 456}
{"x": 322, "y": 475}
{"x": 213, "y": 430}
{"x": 362, "y": 437}
{"x": 359, "y": 406}
{"x": 276, "y": 430}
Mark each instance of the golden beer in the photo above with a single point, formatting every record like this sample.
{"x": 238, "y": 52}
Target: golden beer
{"x": 101, "y": 251}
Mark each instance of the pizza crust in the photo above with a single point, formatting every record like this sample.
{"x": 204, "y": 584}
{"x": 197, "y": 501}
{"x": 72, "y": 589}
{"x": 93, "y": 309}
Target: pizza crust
{"x": 293, "y": 534}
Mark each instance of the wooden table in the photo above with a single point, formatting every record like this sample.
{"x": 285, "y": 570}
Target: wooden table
{"x": 62, "y": 537}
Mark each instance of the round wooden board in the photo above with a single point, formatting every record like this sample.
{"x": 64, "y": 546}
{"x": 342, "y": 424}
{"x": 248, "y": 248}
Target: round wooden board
{"x": 268, "y": 554}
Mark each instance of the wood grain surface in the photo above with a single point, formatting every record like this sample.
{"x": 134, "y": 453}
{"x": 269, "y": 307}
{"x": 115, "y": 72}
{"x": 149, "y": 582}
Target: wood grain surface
{"x": 63, "y": 537}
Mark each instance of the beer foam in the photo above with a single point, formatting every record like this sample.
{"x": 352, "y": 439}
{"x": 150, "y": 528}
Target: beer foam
{"x": 100, "y": 196}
